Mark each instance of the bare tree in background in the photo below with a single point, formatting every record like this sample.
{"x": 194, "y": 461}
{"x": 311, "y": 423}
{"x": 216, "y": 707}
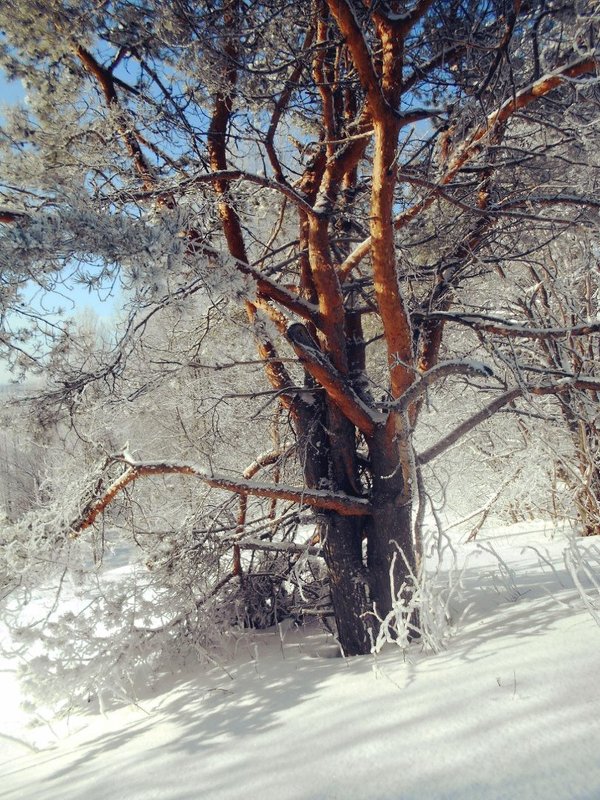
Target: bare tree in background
{"x": 561, "y": 291}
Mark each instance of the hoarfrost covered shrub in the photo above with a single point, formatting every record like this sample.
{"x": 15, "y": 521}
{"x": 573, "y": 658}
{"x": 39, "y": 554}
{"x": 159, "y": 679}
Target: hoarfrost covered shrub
{"x": 113, "y": 637}
{"x": 583, "y": 564}
{"x": 104, "y": 616}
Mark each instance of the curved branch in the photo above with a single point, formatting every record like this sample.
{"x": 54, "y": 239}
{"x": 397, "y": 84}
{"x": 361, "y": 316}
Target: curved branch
{"x": 500, "y": 327}
{"x": 583, "y": 384}
{"x": 521, "y": 99}
{"x": 437, "y": 373}
{"x": 317, "y": 498}
{"x": 471, "y": 146}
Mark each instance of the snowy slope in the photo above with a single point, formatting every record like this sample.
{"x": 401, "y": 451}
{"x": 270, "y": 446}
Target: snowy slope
{"x": 510, "y": 709}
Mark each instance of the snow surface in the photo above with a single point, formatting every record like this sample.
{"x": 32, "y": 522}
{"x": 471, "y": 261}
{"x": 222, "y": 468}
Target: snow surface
{"x": 509, "y": 709}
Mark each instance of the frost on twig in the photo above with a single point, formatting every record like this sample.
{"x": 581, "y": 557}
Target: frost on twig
{"x": 422, "y": 610}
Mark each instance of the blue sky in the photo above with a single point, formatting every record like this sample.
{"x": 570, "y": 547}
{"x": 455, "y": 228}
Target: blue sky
{"x": 73, "y": 298}
{"x": 10, "y": 91}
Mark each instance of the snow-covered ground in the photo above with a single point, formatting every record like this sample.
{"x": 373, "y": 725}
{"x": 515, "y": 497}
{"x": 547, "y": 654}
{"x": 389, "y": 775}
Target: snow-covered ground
{"x": 509, "y": 709}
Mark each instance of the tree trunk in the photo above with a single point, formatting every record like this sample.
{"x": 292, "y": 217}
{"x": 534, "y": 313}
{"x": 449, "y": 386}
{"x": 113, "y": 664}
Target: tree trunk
{"x": 390, "y": 550}
{"x": 585, "y": 437}
{"x": 329, "y": 457}
{"x": 588, "y": 492}
{"x": 348, "y": 583}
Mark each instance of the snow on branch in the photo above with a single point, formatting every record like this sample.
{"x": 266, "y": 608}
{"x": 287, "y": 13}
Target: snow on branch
{"x": 335, "y": 384}
{"x": 500, "y": 327}
{"x": 317, "y": 498}
{"x": 443, "y": 370}
{"x": 277, "y": 547}
{"x": 517, "y": 101}
{"x": 470, "y": 147}
{"x": 562, "y": 385}
{"x": 228, "y": 175}
{"x": 408, "y": 19}
{"x": 280, "y": 294}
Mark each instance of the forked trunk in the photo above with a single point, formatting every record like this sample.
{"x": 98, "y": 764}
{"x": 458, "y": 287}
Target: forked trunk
{"x": 368, "y": 558}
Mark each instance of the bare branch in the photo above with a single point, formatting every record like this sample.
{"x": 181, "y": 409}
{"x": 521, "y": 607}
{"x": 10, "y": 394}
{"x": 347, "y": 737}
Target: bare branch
{"x": 228, "y": 175}
{"x": 276, "y": 547}
{"x": 563, "y": 385}
{"x": 437, "y": 373}
{"x": 500, "y": 327}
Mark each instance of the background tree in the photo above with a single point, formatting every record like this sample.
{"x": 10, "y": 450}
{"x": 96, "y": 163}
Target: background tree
{"x": 337, "y": 169}
{"x": 561, "y": 291}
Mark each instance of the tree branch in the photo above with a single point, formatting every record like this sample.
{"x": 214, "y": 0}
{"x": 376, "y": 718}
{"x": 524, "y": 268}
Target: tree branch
{"x": 521, "y": 99}
{"x": 583, "y": 384}
{"x": 281, "y": 104}
{"x": 501, "y": 327}
{"x": 336, "y": 385}
{"x": 106, "y": 82}
{"x": 317, "y": 498}
{"x": 473, "y": 145}
{"x": 437, "y": 373}
{"x": 346, "y": 21}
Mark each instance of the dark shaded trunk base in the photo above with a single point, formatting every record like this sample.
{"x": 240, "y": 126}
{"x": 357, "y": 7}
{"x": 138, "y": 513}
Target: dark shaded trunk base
{"x": 348, "y": 584}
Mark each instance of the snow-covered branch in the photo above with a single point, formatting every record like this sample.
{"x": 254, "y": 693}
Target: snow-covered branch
{"x": 521, "y": 99}
{"x": 335, "y": 384}
{"x": 277, "y": 547}
{"x": 443, "y": 370}
{"x": 469, "y": 148}
{"x": 229, "y": 175}
{"x": 500, "y": 327}
{"x": 562, "y": 385}
{"x": 318, "y": 498}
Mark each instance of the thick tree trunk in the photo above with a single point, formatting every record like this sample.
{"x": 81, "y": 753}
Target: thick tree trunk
{"x": 358, "y": 589}
{"x": 390, "y": 550}
{"x": 348, "y": 583}
{"x": 328, "y": 457}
